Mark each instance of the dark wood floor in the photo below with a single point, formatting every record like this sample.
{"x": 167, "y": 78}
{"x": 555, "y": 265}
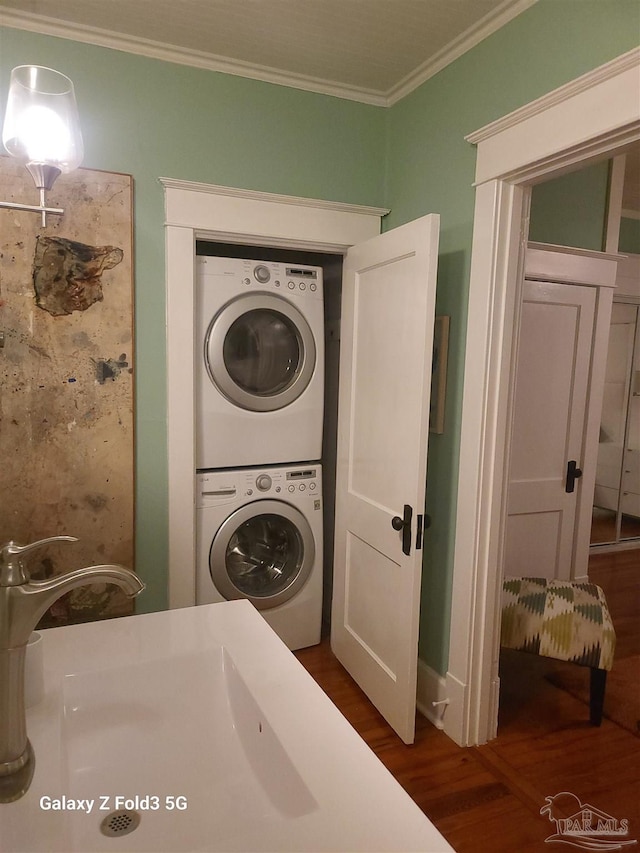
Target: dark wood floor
{"x": 488, "y": 798}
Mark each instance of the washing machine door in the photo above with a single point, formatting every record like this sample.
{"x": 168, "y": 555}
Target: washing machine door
{"x": 259, "y": 351}
{"x": 263, "y": 551}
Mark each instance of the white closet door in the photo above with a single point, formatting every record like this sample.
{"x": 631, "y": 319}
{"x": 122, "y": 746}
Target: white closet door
{"x": 388, "y": 307}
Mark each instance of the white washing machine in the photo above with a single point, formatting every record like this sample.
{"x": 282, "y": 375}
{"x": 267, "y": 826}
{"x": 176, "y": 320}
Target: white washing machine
{"x": 259, "y": 363}
{"x": 259, "y": 536}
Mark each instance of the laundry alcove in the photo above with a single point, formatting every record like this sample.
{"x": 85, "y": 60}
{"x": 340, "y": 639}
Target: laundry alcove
{"x": 331, "y": 264}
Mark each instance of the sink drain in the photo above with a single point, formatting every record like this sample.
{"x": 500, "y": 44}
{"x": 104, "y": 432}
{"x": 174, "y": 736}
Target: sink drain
{"x": 119, "y": 823}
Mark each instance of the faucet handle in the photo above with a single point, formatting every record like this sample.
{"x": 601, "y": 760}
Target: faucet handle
{"x": 12, "y": 570}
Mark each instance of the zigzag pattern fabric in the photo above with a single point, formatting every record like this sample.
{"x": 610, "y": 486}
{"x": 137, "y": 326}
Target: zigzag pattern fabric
{"x": 558, "y": 619}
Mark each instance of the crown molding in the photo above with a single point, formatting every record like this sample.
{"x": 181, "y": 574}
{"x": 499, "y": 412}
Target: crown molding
{"x": 183, "y": 56}
{"x": 619, "y": 65}
{"x": 274, "y": 198}
{"x": 151, "y": 49}
{"x": 455, "y": 49}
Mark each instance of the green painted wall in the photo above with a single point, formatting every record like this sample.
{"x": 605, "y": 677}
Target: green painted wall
{"x": 150, "y": 119}
{"x": 430, "y": 168}
{"x": 571, "y": 210}
{"x": 629, "y": 241}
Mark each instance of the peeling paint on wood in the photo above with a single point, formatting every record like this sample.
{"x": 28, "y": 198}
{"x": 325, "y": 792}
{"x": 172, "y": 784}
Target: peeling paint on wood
{"x": 67, "y": 275}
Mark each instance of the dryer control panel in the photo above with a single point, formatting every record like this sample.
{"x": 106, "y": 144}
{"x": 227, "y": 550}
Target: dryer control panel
{"x": 299, "y": 280}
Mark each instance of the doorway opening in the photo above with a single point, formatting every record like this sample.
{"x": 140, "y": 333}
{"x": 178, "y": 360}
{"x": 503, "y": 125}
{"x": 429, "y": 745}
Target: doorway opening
{"x": 554, "y": 393}
{"x": 593, "y": 117}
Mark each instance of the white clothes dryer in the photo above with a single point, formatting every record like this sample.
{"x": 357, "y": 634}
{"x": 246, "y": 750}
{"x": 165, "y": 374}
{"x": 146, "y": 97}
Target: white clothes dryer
{"x": 259, "y": 536}
{"x": 259, "y": 363}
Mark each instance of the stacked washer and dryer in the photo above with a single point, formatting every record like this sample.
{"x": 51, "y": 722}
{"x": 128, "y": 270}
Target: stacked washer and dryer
{"x": 259, "y": 417}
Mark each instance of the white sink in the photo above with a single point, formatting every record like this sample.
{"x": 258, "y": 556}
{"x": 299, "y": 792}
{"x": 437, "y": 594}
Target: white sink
{"x": 135, "y": 732}
{"x": 199, "y": 726}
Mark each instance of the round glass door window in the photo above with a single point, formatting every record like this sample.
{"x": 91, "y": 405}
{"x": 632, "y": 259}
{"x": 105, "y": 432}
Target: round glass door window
{"x": 259, "y": 352}
{"x": 264, "y": 552}
{"x": 262, "y": 352}
{"x": 264, "y": 555}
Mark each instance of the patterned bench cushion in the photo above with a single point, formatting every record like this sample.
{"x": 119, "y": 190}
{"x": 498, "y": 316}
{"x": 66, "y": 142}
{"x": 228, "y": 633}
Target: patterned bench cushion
{"x": 558, "y": 619}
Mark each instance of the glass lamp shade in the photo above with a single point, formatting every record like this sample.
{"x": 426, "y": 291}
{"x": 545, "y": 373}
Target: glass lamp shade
{"x": 41, "y": 123}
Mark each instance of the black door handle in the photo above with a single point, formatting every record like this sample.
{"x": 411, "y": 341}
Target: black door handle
{"x": 404, "y": 524}
{"x": 573, "y": 473}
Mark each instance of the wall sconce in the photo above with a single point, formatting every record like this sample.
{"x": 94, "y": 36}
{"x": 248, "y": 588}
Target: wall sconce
{"x": 41, "y": 127}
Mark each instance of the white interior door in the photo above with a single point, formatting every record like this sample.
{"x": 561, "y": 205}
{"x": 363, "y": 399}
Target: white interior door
{"x": 388, "y": 307}
{"x": 551, "y": 394}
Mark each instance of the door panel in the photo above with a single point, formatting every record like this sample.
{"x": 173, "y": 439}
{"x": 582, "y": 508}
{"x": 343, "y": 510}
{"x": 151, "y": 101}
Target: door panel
{"x": 542, "y": 533}
{"x": 385, "y": 377}
{"x": 380, "y": 465}
{"x": 366, "y": 616}
{"x": 551, "y": 392}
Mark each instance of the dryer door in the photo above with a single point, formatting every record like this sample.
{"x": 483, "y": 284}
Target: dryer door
{"x": 264, "y": 551}
{"x": 260, "y": 352}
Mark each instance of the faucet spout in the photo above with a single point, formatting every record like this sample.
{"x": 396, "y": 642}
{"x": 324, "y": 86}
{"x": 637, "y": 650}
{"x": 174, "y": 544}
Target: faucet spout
{"x": 21, "y": 606}
{"x": 34, "y": 598}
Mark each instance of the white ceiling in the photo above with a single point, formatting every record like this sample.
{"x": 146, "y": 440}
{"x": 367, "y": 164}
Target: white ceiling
{"x": 374, "y": 51}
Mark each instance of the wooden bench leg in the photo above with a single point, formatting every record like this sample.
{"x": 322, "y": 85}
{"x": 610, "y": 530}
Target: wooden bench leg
{"x": 596, "y": 698}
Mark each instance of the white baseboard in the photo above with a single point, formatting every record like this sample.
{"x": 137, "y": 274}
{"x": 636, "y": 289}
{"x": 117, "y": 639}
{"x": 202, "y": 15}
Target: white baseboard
{"x": 431, "y": 699}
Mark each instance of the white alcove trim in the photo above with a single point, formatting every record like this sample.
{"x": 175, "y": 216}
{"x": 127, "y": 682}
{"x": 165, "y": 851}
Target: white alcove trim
{"x": 224, "y": 214}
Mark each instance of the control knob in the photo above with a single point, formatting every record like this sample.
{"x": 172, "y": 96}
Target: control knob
{"x": 262, "y": 274}
{"x": 263, "y": 482}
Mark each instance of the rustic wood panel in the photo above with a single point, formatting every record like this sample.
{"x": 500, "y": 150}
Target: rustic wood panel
{"x": 66, "y": 396}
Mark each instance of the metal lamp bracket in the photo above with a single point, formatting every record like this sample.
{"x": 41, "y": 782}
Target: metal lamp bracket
{"x": 44, "y": 177}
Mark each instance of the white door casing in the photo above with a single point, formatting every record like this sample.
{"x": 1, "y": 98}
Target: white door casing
{"x": 553, "y": 369}
{"x": 388, "y": 307}
{"x": 224, "y": 214}
{"x": 590, "y": 118}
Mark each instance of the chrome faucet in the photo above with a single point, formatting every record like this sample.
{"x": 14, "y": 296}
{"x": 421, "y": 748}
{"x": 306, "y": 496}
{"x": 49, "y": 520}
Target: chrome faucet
{"x": 22, "y": 603}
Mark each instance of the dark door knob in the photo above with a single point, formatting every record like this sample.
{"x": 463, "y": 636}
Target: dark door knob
{"x": 573, "y": 473}
{"x": 404, "y": 524}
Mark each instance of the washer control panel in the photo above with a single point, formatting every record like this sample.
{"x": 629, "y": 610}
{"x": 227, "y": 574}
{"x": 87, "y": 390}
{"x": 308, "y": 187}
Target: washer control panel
{"x": 226, "y": 487}
{"x": 301, "y": 480}
{"x": 278, "y": 481}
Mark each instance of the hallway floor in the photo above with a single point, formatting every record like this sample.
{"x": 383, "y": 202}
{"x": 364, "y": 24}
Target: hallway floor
{"x": 489, "y": 798}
